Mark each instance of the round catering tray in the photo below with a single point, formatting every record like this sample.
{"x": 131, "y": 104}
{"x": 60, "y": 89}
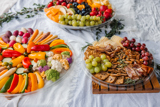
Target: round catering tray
{"x": 114, "y": 86}
{"x": 63, "y": 74}
{"x": 86, "y": 27}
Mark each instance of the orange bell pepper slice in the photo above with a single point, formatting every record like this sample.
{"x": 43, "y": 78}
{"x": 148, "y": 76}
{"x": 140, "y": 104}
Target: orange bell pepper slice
{"x": 60, "y": 50}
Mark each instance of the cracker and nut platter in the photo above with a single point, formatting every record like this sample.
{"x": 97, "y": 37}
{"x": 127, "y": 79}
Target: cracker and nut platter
{"x": 30, "y": 59}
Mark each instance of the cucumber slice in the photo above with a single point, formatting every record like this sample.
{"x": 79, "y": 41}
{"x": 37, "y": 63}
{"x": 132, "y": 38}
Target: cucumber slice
{"x": 6, "y": 59}
{"x": 24, "y": 45}
{"x": 20, "y": 70}
{"x": 10, "y": 48}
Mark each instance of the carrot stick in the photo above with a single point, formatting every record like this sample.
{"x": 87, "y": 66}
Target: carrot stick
{"x": 4, "y": 71}
{"x": 53, "y": 37}
{"x": 34, "y": 35}
{"x": 45, "y": 39}
{"x": 41, "y": 33}
{"x": 30, "y": 44}
{"x": 38, "y": 38}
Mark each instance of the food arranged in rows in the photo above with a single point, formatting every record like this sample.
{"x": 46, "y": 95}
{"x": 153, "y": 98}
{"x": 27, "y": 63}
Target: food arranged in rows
{"x": 29, "y": 58}
{"x": 118, "y": 60}
{"x": 79, "y": 12}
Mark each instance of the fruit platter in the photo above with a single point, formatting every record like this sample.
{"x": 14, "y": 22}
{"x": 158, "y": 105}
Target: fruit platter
{"x": 118, "y": 61}
{"x": 31, "y": 60}
{"x": 79, "y": 14}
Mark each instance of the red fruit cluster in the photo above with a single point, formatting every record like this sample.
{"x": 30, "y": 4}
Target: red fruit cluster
{"x": 141, "y": 48}
{"x": 102, "y": 11}
{"x": 61, "y": 2}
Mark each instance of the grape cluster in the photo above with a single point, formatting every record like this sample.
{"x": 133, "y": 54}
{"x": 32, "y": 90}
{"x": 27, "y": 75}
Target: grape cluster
{"x": 78, "y": 20}
{"x": 95, "y": 65}
{"x": 141, "y": 48}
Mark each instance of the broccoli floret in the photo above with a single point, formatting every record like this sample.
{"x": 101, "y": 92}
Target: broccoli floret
{"x": 42, "y": 62}
{"x": 65, "y": 53}
{"x": 52, "y": 75}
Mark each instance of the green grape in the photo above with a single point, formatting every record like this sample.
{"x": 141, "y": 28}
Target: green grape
{"x": 70, "y": 22}
{"x": 94, "y": 63}
{"x": 91, "y": 57}
{"x": 73, "y": 17}
{"x": 62, "y": 22}
{"x": 66, "y": 16}
{"x": 100, "y": 66}
{"x": 89, "y": 65}
{"x": 78, "y": 23}
{"x": 94, "y": 17}
{"x": 74, "y": 23}
{"x": 96, "y": 23}
{"x": 66, "y": 21}
{"x": 105, "y": 60}
{"x": 108, "y": 64}
{"x": 83, "y": 18}
{"x": 99, "y": 22}
{"x": 103, "y": 57}
{"x": 69, "y": 17}
{"x": 98, "y": 18}
{"x": 87, "y": 23}
{"x": 104, "y": 67}
{"x": 81, "y": 24}
{"x": 61, "y": 18}
{"x": 92, "y": 23}
{"x": 97, "y": 59}
{"x": 88, "y": 61}
{"x": 92, "y": 70}
{"x": 91, "y": 18}
{"x": 97, "y": 69}
{"x": 76, "y": 14}
{"x": 88, "y": 17}
{"x": 79, "y": 17}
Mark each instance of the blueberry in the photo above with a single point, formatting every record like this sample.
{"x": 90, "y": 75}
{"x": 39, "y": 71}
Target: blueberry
{"x": 75, "y": 4}
{"x": 83, "y": 3}
{"x": 83, "y": 12}
{"x": 78, "y": 11}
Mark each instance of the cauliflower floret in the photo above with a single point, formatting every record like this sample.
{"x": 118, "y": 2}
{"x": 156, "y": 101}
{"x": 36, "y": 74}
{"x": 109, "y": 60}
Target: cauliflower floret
{"x": 35, "y": 66}
{"x": 50, "y": 53}
{"x": 57, "y": 57}
{"x": 56, "y": 65}
{"x": 65, "y": 64}
{"x": 50, "y": 59}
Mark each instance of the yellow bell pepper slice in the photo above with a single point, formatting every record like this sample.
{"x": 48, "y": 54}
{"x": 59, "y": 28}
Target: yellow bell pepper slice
{"x": 2, "y": 42}
{"x": 17, "y": 60}
{"x": 40, "y": 80}
{"x": 18, "y": 47}
{"x": 38, "y": 55}
{"x": 3, "y": 81}
{"x": 34, "y": 85}
{"x": 56, "y": 42}
{"x": 17, "y": 89}
{"x": 7, "y": 45}
{"x": 22, "y": 85}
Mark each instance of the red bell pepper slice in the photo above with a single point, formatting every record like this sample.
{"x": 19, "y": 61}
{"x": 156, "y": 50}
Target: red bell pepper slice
{"x": 40, "y": 48}
{"x": 10, "y": 53}
{"x": 26, "y": 62}
{"x": 60, "y": 50}
{"x": 14, "y": 83}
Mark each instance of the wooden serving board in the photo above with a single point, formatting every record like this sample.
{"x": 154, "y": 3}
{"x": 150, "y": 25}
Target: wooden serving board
{"x": 151, "y": 86}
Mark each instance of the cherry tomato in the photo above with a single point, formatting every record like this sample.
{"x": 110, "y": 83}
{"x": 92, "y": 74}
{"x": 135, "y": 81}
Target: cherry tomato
{"x": 109, "y": 11}
{"x": 69, "y": 5}
{"x": 58, "y": 3}
{"x": 50, "y": 4}
{"x": 63, "y": 4}
{"x": 93, "y": 13}
{"x": 103, "y": 8}
{"x": 106, "y": 15}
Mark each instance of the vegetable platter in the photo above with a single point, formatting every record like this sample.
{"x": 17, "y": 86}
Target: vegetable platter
{"x": 31, "y": 60}
{"x": 79, "y": 14}
{"x": 118, "y": 62}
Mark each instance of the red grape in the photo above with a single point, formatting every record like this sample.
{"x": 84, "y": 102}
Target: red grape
{"x": 125, "y": 38}
{"x": 58, "y": 3}
{"x": 146, "y": 49}
{"x": 133, "y": 40}
{"x": 127, "y": 41}
{"x": 64, "y": 4}
{"x": 137, "y": 48}
{"x": 143, "y": 44}
{"x": 145, "y": 58}
{"x": 127, "y": 44}
{"x": 145, "y": 63}
{"x": 143, "y": 51}
{"x": 132, "y": 45}
{"x": 138, "y": 44}
{"x": 133, "y": 48}
{"x": 143, "y": 54}
{"x": 151, "y": 58}
{"x": 142, "y": 47}
{"x": 61, "y": 1}
{"x": 122, "y": 41}
{"x": 147, "y": 54}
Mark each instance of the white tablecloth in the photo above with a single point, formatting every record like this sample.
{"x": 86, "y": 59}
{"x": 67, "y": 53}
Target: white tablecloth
{"x": 75, "y": 90}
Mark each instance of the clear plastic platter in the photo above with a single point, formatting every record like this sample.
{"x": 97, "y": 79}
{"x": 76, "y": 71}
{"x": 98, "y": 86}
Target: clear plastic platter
{"x": 114, "y": 86}
{"x": 63, "y": 74}
{"x": 86, "y": 27}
